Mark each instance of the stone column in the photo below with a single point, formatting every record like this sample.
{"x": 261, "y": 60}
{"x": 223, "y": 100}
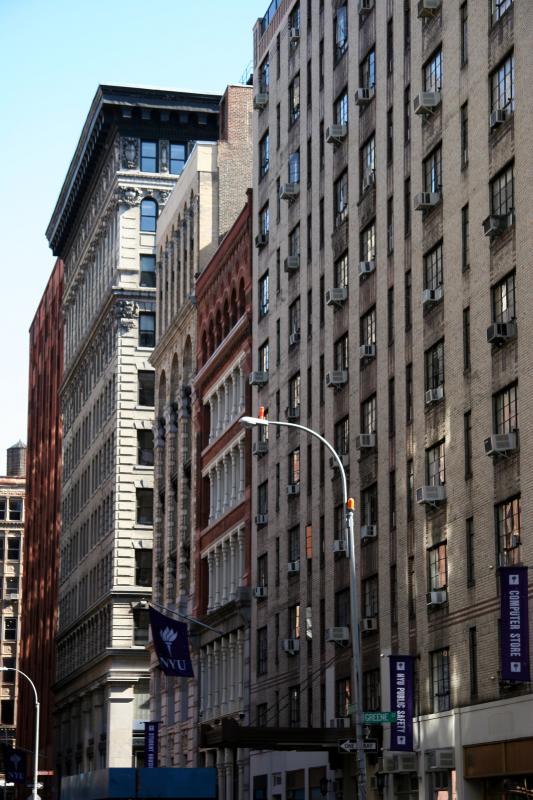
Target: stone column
{"x": 241, "y": 470}
{"x": 209, "y": 656}
{"x": 203, "y": 685}
{"x": 210, "y": 580}
{"x": 240, "y": 557}
{"x": 240, "y": 768}
{"x": 225, "y": 572}
{"x": 240, "y": 669}
{"x": 224, "y": 677}
{"x": 217, "y": 577}
{"x": 212, "y": 490}
{"x": 226, "y": 480}
{"x": 227, "y": 407}
{"x": 221, "y": 776}
{"x": 211, "y": 418}
{"x": 229, "y": 773}
{"x": 233, "y": 456}
{"x": 241, "y": 389}
{"x": 218, "y": 511}
{"x": 233, "y": 566}
{"x": 232, "y": 672}
{"x": 216, "y": 678}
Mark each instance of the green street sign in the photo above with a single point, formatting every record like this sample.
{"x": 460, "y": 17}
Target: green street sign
{"x": 378, "y": 717}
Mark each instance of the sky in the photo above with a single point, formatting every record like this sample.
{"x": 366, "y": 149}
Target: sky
{"x": 53, "y": 55}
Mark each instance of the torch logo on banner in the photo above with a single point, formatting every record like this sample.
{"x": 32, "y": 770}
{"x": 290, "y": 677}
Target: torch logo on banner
{"x": 168, "y": 637}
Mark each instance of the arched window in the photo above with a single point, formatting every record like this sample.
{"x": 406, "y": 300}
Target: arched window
{"x": 226, "y": 322}
{"x": 204, "y": 348}
{"x": 242, "y": 301}
{"x": 148, "y": 215}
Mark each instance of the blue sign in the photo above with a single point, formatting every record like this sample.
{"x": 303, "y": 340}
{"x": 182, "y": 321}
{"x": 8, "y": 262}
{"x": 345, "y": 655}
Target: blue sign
{"x": 14, "y": 764}
{"x": 171, "y": 644}
{"x": 402, "y": 702}
{"x": 150, "y": 744}
{"x": 514, "y": 631}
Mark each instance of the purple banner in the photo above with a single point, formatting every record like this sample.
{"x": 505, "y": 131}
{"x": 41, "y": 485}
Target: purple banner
{"x": 402, "y": 701}
{"x": 171, "y": 645}
{"x": 14, "y": 764}
{"x": 514, "y": 631}
{"x": 150, "y": 744}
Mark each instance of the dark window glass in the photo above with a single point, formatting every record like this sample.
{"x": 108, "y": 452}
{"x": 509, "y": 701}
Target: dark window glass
{"x": 263, "y": 295}
{"x": 262, "y": 651}
{"x": 146, "y": 388}
{"x": 502, "y": 86}
{"x": 465, "y": 239}
{"x": 372, "y": 690}
{"x": 467, "y": 433}
{"x": 145, "y": 448}
{"x": 464, "y": 33}
{"x": 341, "y": 32}
{"x": 10, "y": 629}
{"x": 294, "y": 100}
{"x": 148, "y": 215}
{"x": 145, "y": 507}
{"x": 472, "y": 650}
{"x": 140, "y": 626}
{"x": 503, "y": 299}
{"x": 146, "y": 329}
{"x": 437, "y": 567}
{"x": 143, "y": 567}
{"x": 343, "y": 698}
{"x": 440, "y": 680}
{"x": 16, "y": 509}
{"x": 434, "y": 364}
{"x": 470, "y": 552}
{"x": 294, "y": 707}
{"x": 409, "y": 393}
{"x": 178, "y": 156}
{"x": 508, "y": 531}
{"x": 408, "y": 300}
{"x": 466, "y": 338}
{"x": 502, "y": 192}
{"x": 147, "y": 271}
{"x": 505, "y": 410}
{"x": 464, "y": 135}
{"x": 148, "y": 156}
{"x": 13, "y": 548}
{"x": 7, "y": 709}
{"x": 392, "y": 407}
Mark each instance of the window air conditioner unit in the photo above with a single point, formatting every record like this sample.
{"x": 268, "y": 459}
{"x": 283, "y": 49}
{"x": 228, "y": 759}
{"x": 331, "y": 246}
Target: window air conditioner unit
{"x": 367, "y": 351}
{"x": 260, "y": 100}
{"x": 369, "y": 180}
{"x": 293, "y": 567}
{"x": 292, "y": 413}
{"x": 368, "y": 532}
{"x": 338, "y": 635}
{"x": 500, "y": 443}
{"x": 365, "y": 7}
{"x": 364, "y": 441}
{"x": 261, "y": 519}
{"x": 336, "y": 133}
{"x": 340, "y": 722}
{"x": 366, "y": 267}
{"x": 340, "y": 546}
{"x": 431, "y": 296}
{"x": 291, "y": 263}
{"x": 259, "y": 448}
{"x": 400, "y": 762}
{"x": 258, "y": 378}
{"x": 426, "y": 200}
{"x": 369, "y": 624}
{"x": 294, "y": 35}
{"x": 437, "y": 597}
{"x": 440, "y": 759}
{"x": 261, "y": 240}
{"x": 364, "y": 95}
{"x": 339, "y": 377}
{"x": 345, "y": 458}
{"x": 497, "y": 118}
{"x": 431, "y": 494}
{"x": 290, "y": 646}
{"x": 289, "y": 191}
{"x": 426, "y": 102}
{"x": 260, "y": 592}
{"x": 496, "y": 224}
{"x": 428, "y": 8}
{"x": 501, "y": 332}
{"x": 293, "y": 489}
{"x": 336, "y": 296}
{"x": 294, "y": 338}
{"x": 434, "y": 395}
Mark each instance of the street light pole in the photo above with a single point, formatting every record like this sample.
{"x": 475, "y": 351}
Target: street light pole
{"x": 35, "y": 787}
{"x": 349, "y": 505}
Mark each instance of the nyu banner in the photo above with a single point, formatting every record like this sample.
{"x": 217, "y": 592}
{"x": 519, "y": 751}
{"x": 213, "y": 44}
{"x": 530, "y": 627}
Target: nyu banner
{"x": 514, "y": 632}
{"x": 14, "y": 764}
{"x": 171, "y": 645}
{"x": 402, "y": 701}
{"x": 150, "y": 744}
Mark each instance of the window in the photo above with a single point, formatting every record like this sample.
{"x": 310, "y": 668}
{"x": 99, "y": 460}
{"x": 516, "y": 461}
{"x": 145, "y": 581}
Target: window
{"x": 411, "y": 587}
{"x": 146, "y": 384}
{"x": 392, "y": 406}
{"x": 143, "y": 567}
{"x": 340, "y": 271}
{"x": 264, "y": 76}
{"x": 508, "y": 527}
{"x": 502, "y": 192}
{"x": 464, "y": 135}
{"x": 262, "y": 570}
{"x": 407, "y": 207}
{"x": 147, "y": 265}
{"x": 10, "y": 629}
{"x": 309, "y": 96}
{"x": 472, "y": 652}
{"x": 145, "y": 448}
{"x": 11, "y": 662}
{"x": 294, "y": 18}
{"x": 145, "y": 507}
{"x": 12, "y": 586}
{"x": 140, "y": 626}
{"x": 321, "y": 223}
{"x": 390, "y": 225}
{"x": 433, "y": 273}
{"x": 293, "y": 621}
{"x": 3, "y": 508}
{"x": 294, "y": 706}
{"x": 146, "y": 329}
{"x": 148, "y": 215}
{"x": 465, "y": 239}
{"x": 390, "y": 47}
{"x": 467, "y": 437}
{"x": 434, "y": 361}
{"x": 410, "y": 487}
{"x": 437, "y": 567}
{"x": 432, "y": 73}
{"x": 342, "y": 436}
{"x": 262, "y": 651}
{"x": 149, "y": 157}
{"x": 432, "y": 171}
{"x": 407, "y": 115}
{"x": 294, "y": 394}
{"x": 278, "y": 270}
{"x": 294, "y": 100}
{"x": 340, "y": 109}
{"x": 343, "y": 697}
{"x": 264, "y": 221}
{"x": 278, "y": 341}
{"x": 294, "y": 466}
{"x": 16, "y": 509}
{"x": 466, "y": 338}
{"x": 340, "y": 198}
{"x": 293, "y": 541}
{"x": 408, "y": 299}
{"x": 367, "y": 243}
{"x": 368, "y": 415}
{"x": 505, "y": 410}
{"x": 294, "y": 241}
{"x": 368, "y": 328}
{"x": 178, "y": 157}
{"x": 435, "y": 467}
{"x": 503, "y": 299}
{"x": 263, "y": 295}
{"x": 499, "y": 7}
{"x": 278, "y": 125}
{"x": 393, "y": 584}
{"x": 470, "y": 552}
{"x": 440, "y": 680}
{"x": 367, "y": 71}
{"x": 262, "y": 498}
{"x": 263, "y": 358}
{"x": 341, "y": 32}
{"x": 262, "y": 714}
{"x": 464, "y": 33}
{"x": 368, "y": 159}
{"x": 390, "y": 315}
{"x": 13, "y": 548}
{"x": 321, "y": 64}
{"x": 309, "y": 313}
{"x": 340, "y": 353}
{"x": 502, "y": 89}
{"x": 408, "y": 393}
{"x": 369, "y": 589}
{"x": 369, "y": 505}
{"x": 294, "y": 167}
{"x": 264, "y": 155}
{"x": 7, "y": 712}
{"x": 372, "y": 690}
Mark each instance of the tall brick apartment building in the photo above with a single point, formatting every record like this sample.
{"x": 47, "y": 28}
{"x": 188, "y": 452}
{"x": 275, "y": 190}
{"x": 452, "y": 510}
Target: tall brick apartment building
{"x": 392, "y": 188}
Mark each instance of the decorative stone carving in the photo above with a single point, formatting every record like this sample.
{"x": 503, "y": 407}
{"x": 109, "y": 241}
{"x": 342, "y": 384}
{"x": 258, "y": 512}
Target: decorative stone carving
{"x": 130, "y": 153}
{"x": 163, "y": 156}
{"x": 129, "y": 196}
{"x": 126, "y": 312}
{"x": 163, "y": 197}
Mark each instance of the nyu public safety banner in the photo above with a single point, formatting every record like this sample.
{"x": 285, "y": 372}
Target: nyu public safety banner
{"x": 14, "y": 764}
{"x": 171, "y": 645}
{"x": 514, "y": 631}
{"x": 402, "y": 701}
{"x": 150, "y": 744}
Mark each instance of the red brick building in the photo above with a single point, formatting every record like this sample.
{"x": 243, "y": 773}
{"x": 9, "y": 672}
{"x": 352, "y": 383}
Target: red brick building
{"x": 43, "y": 519}
{"x": 222, "y": 549}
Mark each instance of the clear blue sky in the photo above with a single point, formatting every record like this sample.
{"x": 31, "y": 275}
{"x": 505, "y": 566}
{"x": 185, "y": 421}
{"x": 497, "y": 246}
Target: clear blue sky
{"x": 53, "y": 55}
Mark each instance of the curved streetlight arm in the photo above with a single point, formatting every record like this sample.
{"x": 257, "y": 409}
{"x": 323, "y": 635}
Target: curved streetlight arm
{"x": 35, "y": 787}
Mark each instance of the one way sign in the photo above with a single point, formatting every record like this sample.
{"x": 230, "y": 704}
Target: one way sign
{"x": 352, "y": 745}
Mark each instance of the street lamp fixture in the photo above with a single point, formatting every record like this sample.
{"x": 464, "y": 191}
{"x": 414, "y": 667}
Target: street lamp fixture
{"x": 349, "y": 507}
{"x": 35, "y": 786}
